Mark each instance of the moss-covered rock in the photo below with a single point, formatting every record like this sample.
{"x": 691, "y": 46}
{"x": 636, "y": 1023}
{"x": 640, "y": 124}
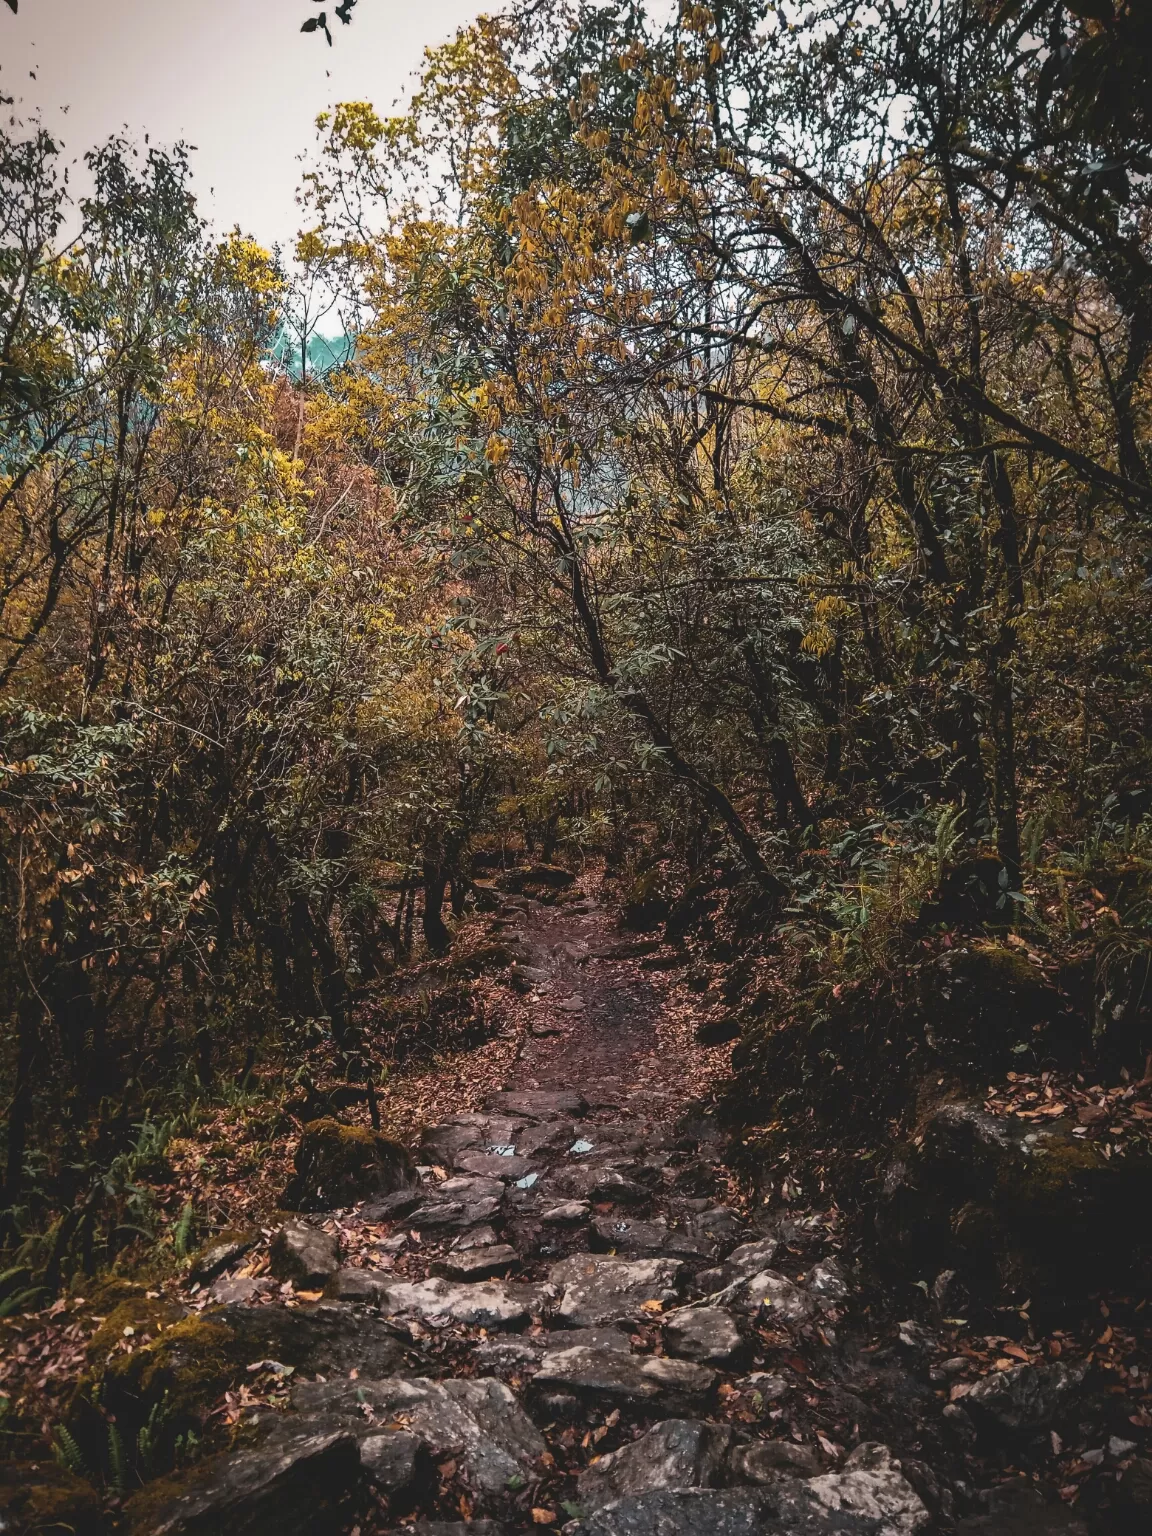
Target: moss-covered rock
{"x": 338, "y": 1165}
{"x": 42, "y": 1498}
{"x": 1017, "y": 1210}
{"x": 984, "y": 1003}
{"x": 482, "y": 961}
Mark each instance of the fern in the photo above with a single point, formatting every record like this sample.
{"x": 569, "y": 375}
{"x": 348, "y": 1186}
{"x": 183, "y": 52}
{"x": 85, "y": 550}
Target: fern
{"x": 117, "y": 1461}
{"x": 182, "y": 1232}
{"x": 68, "y": 1453}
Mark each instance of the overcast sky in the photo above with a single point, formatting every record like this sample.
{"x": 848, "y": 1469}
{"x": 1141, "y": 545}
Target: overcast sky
{"x": 234, "y": 77}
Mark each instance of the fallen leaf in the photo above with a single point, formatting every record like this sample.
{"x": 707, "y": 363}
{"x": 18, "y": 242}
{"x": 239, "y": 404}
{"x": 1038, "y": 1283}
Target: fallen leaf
{"x": 544, "y": 1517}
{"x": 309, "y": 1295}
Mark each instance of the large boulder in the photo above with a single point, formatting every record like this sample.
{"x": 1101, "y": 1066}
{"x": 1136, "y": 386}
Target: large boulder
{"x": 338, "y": 1165}
{"x": 982, "y": 1003}
{"x": 1016, "y": 1208}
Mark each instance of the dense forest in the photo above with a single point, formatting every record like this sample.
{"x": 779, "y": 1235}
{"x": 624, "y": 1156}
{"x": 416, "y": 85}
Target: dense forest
{"x": 734, "y": 496}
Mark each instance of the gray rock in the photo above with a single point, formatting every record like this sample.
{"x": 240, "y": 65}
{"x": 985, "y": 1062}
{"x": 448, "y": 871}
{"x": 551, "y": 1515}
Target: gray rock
{"x": 211, "y": 1262}
{"x": 331, "y": 1337}
{"x": 770, "y": 1294}
{"x": 493, "y": 1165}
{"x": 600, "y": 1290}
{"x": 769, "y": 1384}
{"x": 827, "y": 1284}
{"x": 608, "y": 1374}
{"x": 640, "y": 1238}
{"x": 570, "y": 1214}
{"x": 871, "y": 1484}
{"x": 294, "y": 1487}
{"x": 302, "y": 1253}
{"x": 457, "y": 1212}
{"x": 1026, "y": 1396}
{"x": 485, "y": 1304}
{"x": 713, "y": 1512}
{"x": 366, "y": 1285}
{"x": 479, "y": 1263}
{"x": 394, "y": 1461}
{"x": 705, "y": 1334}
{"x": 393, "y": 1207}
{"x": 227, "y": 1289}
{"x": 478, "y": 1237}
{"x": 767, "y": 1461}
{"x": 719, "y": 1224}
{"x": 443, "y": 1144}
{"x": 476, "y": 1420}
{"x": 750, "y": 1259}
{"x": 548, "y": 1136}
{"x": 602, "y": 1182}
{"x": 509, "y": 1355}
{"x": 680, "y": 1453}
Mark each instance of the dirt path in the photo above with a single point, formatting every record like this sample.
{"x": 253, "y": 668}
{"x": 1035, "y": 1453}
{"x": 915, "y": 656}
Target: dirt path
{"x": 570, "y": 1319}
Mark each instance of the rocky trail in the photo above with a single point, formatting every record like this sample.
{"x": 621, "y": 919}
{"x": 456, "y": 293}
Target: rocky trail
{"x": 565, "y": 1312}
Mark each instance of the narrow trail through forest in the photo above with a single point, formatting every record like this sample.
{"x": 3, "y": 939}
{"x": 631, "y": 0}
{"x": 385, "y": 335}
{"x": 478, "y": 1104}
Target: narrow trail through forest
{"x": 573, "y": 1318}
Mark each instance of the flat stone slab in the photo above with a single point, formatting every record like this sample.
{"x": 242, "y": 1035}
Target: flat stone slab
{"x": 608, "y": 1374}
{"x": 493, "y": 1165}
{"x": 725, "y": 1512}
{"x": 485, "y": 1304}
{"x": 538, "y": 1103}
{"x": 601, "y": 1290}
{"x": 477, "y": 1420}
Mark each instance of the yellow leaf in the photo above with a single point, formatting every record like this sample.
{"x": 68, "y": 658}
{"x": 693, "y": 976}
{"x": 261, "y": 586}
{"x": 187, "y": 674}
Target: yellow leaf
{"x": 653, "y": 1306}
{"x": 543, "y": 1517}
{"x": 309, "y": 1295}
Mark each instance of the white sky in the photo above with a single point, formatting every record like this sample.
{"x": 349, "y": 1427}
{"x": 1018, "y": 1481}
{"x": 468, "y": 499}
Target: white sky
{"x": 234, "y": 77}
